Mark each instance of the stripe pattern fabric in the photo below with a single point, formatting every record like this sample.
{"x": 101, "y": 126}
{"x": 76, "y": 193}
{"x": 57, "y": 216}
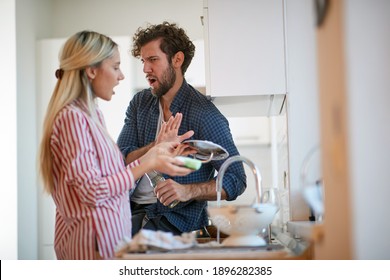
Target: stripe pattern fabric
{"x": 91, "y": 185}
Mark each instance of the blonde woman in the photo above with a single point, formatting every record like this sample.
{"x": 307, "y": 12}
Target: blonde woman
{"x": 80, "y": 164}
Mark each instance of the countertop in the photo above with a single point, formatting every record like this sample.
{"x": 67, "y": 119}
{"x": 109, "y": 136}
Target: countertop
{"x": 270, "y": 252}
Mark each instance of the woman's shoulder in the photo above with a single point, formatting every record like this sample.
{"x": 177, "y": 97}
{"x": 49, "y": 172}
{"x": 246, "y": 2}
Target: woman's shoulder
{"x": 74, "y": 107}
{"x": 71, "y": 113}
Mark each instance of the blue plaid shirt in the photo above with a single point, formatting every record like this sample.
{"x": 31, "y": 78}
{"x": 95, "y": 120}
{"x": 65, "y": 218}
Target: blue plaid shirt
{"x": 201, "y": 116}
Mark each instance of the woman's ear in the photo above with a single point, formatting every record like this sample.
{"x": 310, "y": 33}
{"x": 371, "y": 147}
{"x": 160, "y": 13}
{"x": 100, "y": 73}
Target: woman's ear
{"x": 91, "y": 72}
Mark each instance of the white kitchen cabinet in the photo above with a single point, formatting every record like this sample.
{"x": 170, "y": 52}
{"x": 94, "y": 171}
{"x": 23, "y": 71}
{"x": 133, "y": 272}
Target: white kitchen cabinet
{"x": 244, "y": 47}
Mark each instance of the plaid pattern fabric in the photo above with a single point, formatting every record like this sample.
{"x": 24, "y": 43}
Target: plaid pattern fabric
{"x": 201, "y": 116}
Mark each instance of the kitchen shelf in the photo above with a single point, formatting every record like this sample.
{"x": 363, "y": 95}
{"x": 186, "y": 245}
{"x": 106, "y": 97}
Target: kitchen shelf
{"x": 252, "y": 106}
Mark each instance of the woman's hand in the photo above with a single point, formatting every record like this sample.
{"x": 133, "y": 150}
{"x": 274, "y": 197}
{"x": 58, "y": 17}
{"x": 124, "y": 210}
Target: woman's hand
{"x": 171, "y": 166}
{"x": 161, "y": 157}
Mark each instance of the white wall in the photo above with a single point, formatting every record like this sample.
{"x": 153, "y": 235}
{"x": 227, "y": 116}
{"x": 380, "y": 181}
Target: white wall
{"x": 302, "y": 87}
{"x": 32, "y": 22}
{"x": 8, "y": 187}
{"x": 367, "y": 29}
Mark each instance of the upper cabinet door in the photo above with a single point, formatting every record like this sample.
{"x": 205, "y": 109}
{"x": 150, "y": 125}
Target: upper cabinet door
{"x": 244, "y": 47}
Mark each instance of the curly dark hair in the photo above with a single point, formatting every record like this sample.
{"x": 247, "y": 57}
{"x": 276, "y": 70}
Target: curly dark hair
{"x": 174, "y": 39}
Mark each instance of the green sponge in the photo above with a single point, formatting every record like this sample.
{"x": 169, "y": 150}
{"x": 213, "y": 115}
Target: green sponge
{"x": 190, "y": 163}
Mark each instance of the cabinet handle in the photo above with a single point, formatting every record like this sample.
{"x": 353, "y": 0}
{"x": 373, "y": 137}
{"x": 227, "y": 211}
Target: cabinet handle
{"x": 201, "y": 20}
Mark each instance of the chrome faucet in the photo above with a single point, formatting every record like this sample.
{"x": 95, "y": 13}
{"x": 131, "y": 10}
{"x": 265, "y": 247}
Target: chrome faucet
{"x": 258, "y": 179}
{"x": 253, "y": 167}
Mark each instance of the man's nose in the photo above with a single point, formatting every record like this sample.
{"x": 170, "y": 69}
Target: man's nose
{"x": 147, "y": 68}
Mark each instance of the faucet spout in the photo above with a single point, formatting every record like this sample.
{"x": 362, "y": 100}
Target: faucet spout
{"x": 253, "y": 167}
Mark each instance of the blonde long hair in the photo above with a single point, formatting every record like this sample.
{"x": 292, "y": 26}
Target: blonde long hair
{"x": 83, "y": 49}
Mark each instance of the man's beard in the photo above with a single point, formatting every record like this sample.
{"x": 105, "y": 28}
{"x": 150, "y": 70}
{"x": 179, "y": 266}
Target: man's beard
{"x": 167, "y": 81}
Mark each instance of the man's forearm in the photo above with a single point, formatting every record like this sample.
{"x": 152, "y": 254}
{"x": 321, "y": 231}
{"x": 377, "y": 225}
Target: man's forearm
{"x": 138, "y": 153}
{"x": 205, "y": 191}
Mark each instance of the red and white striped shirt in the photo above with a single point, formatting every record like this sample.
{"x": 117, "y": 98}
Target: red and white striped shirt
{"x": 91, "y": 186}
